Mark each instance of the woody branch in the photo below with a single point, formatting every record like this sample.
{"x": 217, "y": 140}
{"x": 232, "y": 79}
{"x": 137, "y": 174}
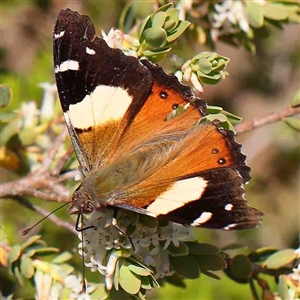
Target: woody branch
{"x": 267, "y": 119}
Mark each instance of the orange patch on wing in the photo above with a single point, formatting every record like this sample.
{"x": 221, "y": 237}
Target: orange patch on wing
{"x": 100, "y": 141}
{"x": 204, "y": 148}
{"x": 151, "y": 120}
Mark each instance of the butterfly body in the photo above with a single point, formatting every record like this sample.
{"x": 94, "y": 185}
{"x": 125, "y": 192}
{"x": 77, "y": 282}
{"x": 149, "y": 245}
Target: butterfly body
{"x": 131, "y": 153}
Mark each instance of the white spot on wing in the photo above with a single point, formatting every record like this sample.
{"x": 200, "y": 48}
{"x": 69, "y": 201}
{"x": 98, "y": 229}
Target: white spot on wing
{"x": 59, "y": 35}
{"x": 67, "y": 65}
{"x": 90, "y": 51}
{"x": 230, "y": 226}
{"x": 228, "y": 207}
{"x": 105, "y": 104}
{"x": 182, "y": 192}
{"x": 204, "y": 217}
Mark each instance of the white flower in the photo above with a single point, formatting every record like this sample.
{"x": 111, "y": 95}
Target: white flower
{"x": 30, "y": 114}
{"x": 104, "y": 244}
{"x": 113, "y": 39}
{"x": 228, "y": 12}
{"x": 47, "y": 109}
{"x": 46, "y": 287}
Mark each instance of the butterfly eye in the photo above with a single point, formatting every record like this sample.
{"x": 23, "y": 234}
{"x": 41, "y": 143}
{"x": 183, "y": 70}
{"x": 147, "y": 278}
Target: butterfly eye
{"x": 89, "y": 207}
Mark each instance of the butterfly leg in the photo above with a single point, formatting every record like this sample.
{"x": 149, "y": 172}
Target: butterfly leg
{"x": 79, "y": 229}
{"x": 115, "y": 223}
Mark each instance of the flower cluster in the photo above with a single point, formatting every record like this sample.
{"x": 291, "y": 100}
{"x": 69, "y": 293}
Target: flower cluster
{"x": 144, "y": 253}
{"x": 228, "y": 17}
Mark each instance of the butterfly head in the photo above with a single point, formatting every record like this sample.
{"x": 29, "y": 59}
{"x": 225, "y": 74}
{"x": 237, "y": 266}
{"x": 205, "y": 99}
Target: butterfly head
{"x": 81, "y": 202}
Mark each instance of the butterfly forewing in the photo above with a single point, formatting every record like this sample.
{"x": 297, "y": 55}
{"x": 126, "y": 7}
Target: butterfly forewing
{"x": 98, "y": 102}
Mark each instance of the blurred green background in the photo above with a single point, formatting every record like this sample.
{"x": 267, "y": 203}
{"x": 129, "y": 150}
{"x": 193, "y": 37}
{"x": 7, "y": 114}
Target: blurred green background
{"x": 257, "y": 85}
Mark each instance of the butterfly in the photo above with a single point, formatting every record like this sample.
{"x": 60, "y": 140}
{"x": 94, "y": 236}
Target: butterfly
{"x": 131, "y": 154}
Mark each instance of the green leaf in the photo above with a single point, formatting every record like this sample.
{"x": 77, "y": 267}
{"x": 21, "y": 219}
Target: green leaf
{"x": 30, "y": 241}
{"x": 156, "y": 55}
{"x": 296, "y": 99}
{"x": 219, "y": 117}
{"x": 121, "y": 252}
{"x": 205, "y": 66}
{"x": 132, "y": 217}
{"x": 66, "y": 268}
{"x": 155, "y": 36}
{"x": 227, "y": 125}
{"x": 212, "y": 109}
{"x": 153, "y": 282}
{"x": 144, "y": 25}
{"x": 163, "y": 223}
{"x": 9, "y": 130}
{"x": 5, "y": 96}
{"x": 293, "y": 13}
{"x": 280, "y": 258}
{"x": 178, "y": 251}
{"x": 139, "y": 270}
{"x": 159, "y": 19}
{"x": 185, "y": 266}
{"x": 169, "y": 25}
{"x": 165, "y": 7}
{"x": 175, "y": 34}
{"x": 233, "y": 118}
{"x": 6, "y": 117}
{"x": 274, "y": 11}
{"x": 212, "y": 78}
{"x": 211, "y": 275}
{"x": 14, "y": 253}
{"x": 26, "y": 266}
{"x": 18, "y": 275}
{"x": 255, "y": 14}
{"x": 233, "y": 246}
{"x": 293, "y": 122}
{"x": 283, "y": 287}
{"x": 211, "y": 262}
{"x": 132, "y": 260}
{"x": 130, "y": 282}
{"x": 261, "y": 254}
{"x": 61, "y": 258}
{"x": 176, "y": 280}
{"x": 117, "y": 275}
{"x": 148, "y": 221}
{"x": 145, "y": 283}
{"x": 173, "y": 14}
{"x": 31, "y": 252}
{"x": 241, "y": 267}
{"x": 202, "y": 248}
{"x": 99, "y": 293}
{"x": 47, "y": 250}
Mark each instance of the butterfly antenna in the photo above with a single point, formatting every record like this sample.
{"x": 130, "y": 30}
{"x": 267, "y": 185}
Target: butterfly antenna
{"x": 24, "y": 232}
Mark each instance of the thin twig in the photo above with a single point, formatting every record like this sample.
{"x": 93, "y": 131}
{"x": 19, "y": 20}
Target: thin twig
{"x": 70, "y": 175}
{"x": 33, "y": 185}
{"x": 53, "y": 151}
{"x": 61, "y": 162}
{"x": 270, "y": 118}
